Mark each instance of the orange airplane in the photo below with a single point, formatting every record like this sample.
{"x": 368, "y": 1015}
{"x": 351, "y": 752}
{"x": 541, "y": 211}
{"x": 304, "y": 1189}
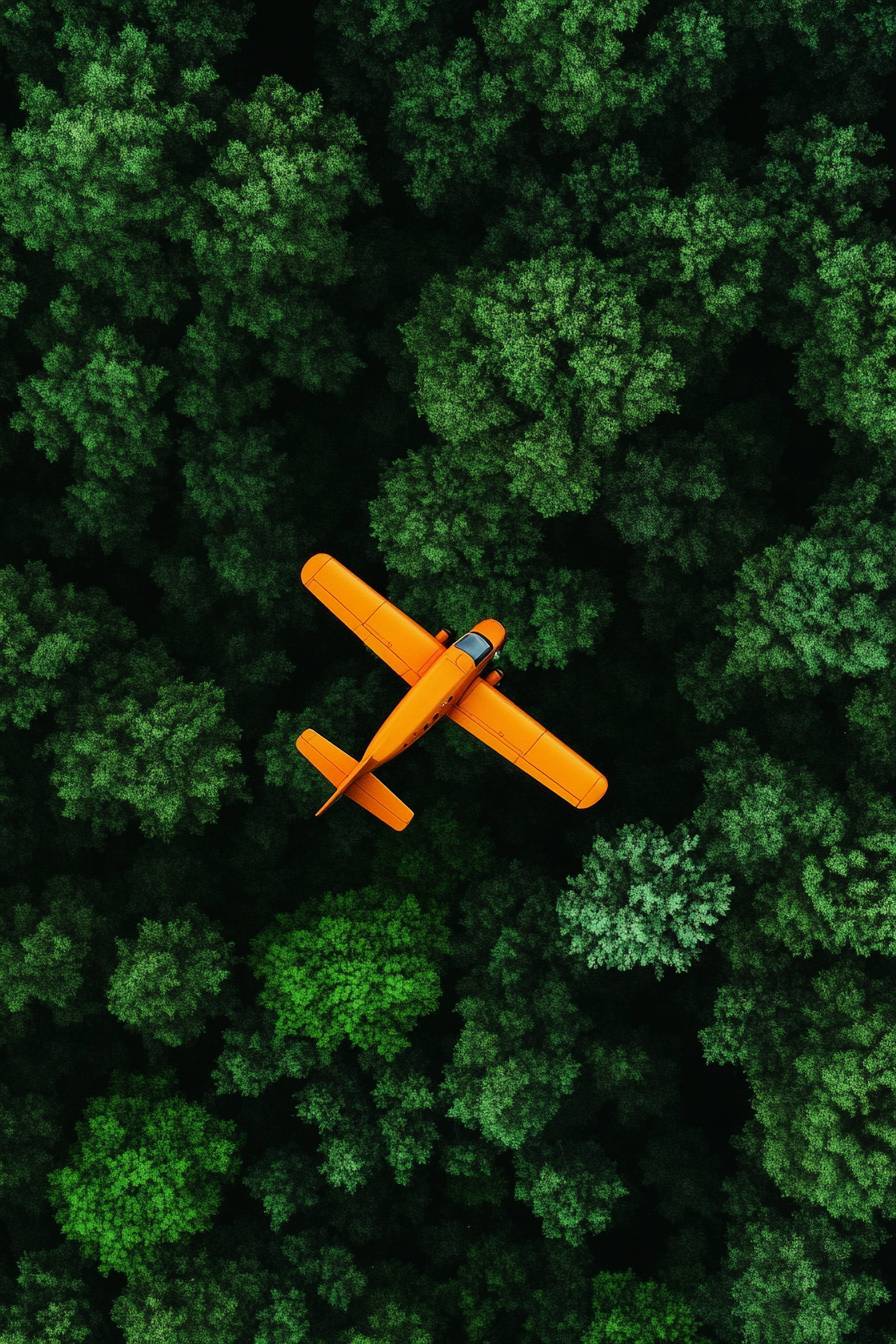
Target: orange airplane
{"x": 447, "y": 681}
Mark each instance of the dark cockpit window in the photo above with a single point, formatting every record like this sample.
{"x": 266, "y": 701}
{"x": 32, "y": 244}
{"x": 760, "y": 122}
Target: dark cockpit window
{"x": 477, "y": 646}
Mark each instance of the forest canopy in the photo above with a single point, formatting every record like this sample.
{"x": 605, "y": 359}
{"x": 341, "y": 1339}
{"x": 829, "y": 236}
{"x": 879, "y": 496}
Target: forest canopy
{"x": 576, "y": 315}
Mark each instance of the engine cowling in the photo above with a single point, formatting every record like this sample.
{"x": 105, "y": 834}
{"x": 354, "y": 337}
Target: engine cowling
{"x": 444, "y": 636}
{"x": 494, "y": 676}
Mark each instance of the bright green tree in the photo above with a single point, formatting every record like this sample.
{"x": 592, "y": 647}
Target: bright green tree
{"x": 845, "y": 368}
{"x": 146, "y": 1171}
{"x": 632, "y": 1311}
{"x": 704, "y": 247}
{"x": 361, "y": 968}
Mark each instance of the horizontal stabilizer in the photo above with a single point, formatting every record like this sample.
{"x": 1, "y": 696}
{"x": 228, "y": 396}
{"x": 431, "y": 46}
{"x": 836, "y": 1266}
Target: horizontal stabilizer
{"x": 374, "y": 797}
{"x": 332, "y": 762}
{"x": 368, "y": 792}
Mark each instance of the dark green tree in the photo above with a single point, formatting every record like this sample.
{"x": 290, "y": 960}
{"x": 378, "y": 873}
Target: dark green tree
{"x": 46, "y": 634}
{"x": 822, "y": 873}
{"x": 871, "y": 716}
{"x": 572, "y": 1191}
{"x": 167, "y": 979}
{"x": 515, "y": 1059}
{"x": 238, "y": 485}
{"x": 539, "y": 368}
{"x": 205, "y": 1296}
{"x": 466, "y": 547}
{"x": 629, "y": 1311}
{"x": 29, "y": 1129}
{"x": 578, "y": 316}
{"x": 264, "y": 228}
{"x": 818, "y": 1054}
{"x": 338, "y": 1109}
{"x": 343, "y": 711}
{"x": 792, "y": 1274}
{"x": 46, "y": 947}
{"x": 153, "y": 747}
{"x": 89, "y": 177}
{"x": 574, "y": 72}
{"x": 285, "y": 1182}
{"x": 96, "y": 405}
{"x": 818, "y": 606}
{"x": 52, "y": 1305}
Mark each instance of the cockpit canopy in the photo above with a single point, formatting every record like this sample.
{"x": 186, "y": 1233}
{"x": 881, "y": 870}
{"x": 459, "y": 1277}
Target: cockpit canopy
{"x": 476, "y": 645}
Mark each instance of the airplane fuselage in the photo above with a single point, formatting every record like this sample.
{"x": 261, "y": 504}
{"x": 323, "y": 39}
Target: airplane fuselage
{"x": 442, "y": 686}
{"x": 420, "y": 709}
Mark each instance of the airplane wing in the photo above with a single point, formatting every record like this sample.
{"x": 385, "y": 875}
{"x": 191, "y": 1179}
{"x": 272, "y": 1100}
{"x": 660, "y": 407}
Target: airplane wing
{"x": 399, "y": 641}
{"x": 500, "y": 724}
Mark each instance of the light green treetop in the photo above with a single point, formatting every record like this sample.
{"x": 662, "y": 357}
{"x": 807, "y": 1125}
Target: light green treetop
{"x": 644, "y": 898}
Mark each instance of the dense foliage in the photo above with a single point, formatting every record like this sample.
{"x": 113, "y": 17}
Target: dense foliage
{"x": 578, "y": 315}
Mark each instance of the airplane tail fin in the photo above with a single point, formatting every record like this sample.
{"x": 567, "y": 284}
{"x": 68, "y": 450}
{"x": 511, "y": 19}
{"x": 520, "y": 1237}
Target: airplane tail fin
{"x": 341, "y": 769}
